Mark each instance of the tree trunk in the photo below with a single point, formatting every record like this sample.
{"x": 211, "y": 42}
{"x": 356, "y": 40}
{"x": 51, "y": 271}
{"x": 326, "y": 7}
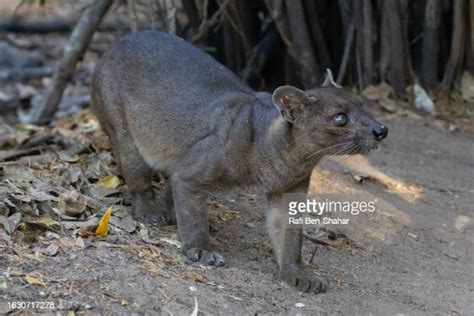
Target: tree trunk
{"x": 457, "y": 46}
{"x": 317, "y": 34}
{"x": 470, "y": 38}
{"x": 430, "y": 51}
{"x": 248, "y": 18}
{"x": 191, "y": 11}
{"x": 74, "y": 49}
{"x": 364, "y": 35}
{"x": 347, "y": 52}
{"x": 260, "y": 55}
{"x": 345, "y": 10}
{"x": 395, "y": 65}
{"x": 300, "y": 37}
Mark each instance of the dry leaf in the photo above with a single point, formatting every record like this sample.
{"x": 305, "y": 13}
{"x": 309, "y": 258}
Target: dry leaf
{"x": 51, "y": 250}
{"x": 80, "y": 243}
{"x": 423, "y": 100}
{"x": 170, "y": 241}
{"x": 378, "y": 92}
{"x": 34, "y": 279}
{"x": 228, "y": 215}
{"x": 467, "y": 86}
{"x": 110, "y": 182}
{"x": 11, "y": 223}
{"x": 72, "y": 203}
{"x": 388, "y": 105}
{"x": 194, "y": 277}
{"x": 103, "y": 227}
{"x": 45, "y": 221}
{"x": 88, "y": 122}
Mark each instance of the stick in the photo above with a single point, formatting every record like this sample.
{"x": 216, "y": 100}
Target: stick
{"x": 346, "y": 54}
{"x": 132, "y": 15}
{"x": 19, "y": 74}
{"x": 74, "y": 49}
{"x": 207, "y": 24}
{"x": 316, "y": 240}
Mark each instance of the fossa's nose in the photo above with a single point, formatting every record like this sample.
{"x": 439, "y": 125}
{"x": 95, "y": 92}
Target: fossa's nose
{"x": 380, "y": 132}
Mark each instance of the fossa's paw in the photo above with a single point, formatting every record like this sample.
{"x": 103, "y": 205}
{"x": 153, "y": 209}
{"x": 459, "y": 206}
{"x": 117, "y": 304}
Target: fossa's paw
{"x": 211, "y": 258}
{"x": 147, "y": 218}
{"x": 303, "y": 280}
{"x": 149, "y": 212}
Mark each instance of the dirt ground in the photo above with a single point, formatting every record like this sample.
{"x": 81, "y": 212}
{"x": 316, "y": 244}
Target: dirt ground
{"x": 416, "y": 258}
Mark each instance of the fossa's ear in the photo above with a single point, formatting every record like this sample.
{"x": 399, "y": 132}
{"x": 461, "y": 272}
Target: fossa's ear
{"x": 290, "y": 102}
{"x": 329, "y": 81}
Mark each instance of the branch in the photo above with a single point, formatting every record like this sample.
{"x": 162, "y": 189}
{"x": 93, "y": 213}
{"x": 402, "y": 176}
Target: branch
{"x": 20, "y": 74}
{"x": 56, "y": 26}
{"x": 260, "y": 54}
{"x": 207, "y": 24}
{"x": 346, "y": 54}
{"x": 74, "y": 49}
{"x": 132, "y": 15}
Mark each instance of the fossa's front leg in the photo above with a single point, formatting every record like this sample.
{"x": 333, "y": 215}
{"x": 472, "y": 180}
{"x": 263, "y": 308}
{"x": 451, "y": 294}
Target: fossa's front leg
{"x": 193, "y": 224}
{"x": 287, "y": 243}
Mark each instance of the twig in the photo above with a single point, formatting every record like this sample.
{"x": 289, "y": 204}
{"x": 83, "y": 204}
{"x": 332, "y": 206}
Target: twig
{"x": 207, "y": 24}
{"x": 261, "y": 53}
{"x": 346, "y": 54}
{"x": 316, "y": 240}
{"x": 314, "y": 254}
{"x": 132, "y": 15}
{"x": 170, "y": 16}
{"x": 152, "y": 14}
{"x": 74, "y": 49}
{"x": 19, "y": 74}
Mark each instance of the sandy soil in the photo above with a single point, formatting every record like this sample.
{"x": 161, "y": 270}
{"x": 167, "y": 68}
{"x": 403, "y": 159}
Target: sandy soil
{"x": 415, "y": 257}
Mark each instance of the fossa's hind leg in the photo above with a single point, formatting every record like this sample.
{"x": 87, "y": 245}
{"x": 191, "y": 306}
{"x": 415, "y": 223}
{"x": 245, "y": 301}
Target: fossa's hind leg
{"x": 138, "y": 177}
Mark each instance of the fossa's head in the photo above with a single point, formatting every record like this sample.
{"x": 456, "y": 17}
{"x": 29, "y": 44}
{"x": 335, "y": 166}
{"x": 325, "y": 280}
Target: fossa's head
{"x": 329, "y": 119}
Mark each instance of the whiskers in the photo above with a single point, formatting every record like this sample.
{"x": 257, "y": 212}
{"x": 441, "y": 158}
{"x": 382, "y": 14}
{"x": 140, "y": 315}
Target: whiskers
{"x": 340, "y": 147}
{"x": 347, "y": 153}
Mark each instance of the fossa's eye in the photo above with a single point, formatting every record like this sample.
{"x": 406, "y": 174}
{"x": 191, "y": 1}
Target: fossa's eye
{"x": 340, "y": 119}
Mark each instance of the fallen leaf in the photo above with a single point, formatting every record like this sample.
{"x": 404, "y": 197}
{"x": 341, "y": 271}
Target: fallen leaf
{"x": 422, "y": 100}
{"x": 103, "y": 227}
{"x": 11, "y": 223}
{"x": 90, "y": 222}
{"x": 3, "y": 286}
{"x": 388, "y": 105}
{"x": 88, "y": 122}
{"x": 80, "y": 242}
{"x": 173, "y": 242}
{"x": 467, "y": 86}
{"x": 125, "y": 223}
{"x": 66, "y": 158}
{"x": 194, "y": 277}
{"x": 34, "y": 279}
{"x": 110, "y": 182}
{"x": 228, "y": 215}
{"x": 72, "y": 203}
{"x": 377, "y": 92}
{"x": 41, "y": 220}
{"x": 51, "y": 250}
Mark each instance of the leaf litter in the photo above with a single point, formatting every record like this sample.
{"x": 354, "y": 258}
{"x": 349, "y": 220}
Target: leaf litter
{"x": 59, "y": 186}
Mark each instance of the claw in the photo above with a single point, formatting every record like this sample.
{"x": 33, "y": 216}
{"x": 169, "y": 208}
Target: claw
{"x": 197, "y": 254}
